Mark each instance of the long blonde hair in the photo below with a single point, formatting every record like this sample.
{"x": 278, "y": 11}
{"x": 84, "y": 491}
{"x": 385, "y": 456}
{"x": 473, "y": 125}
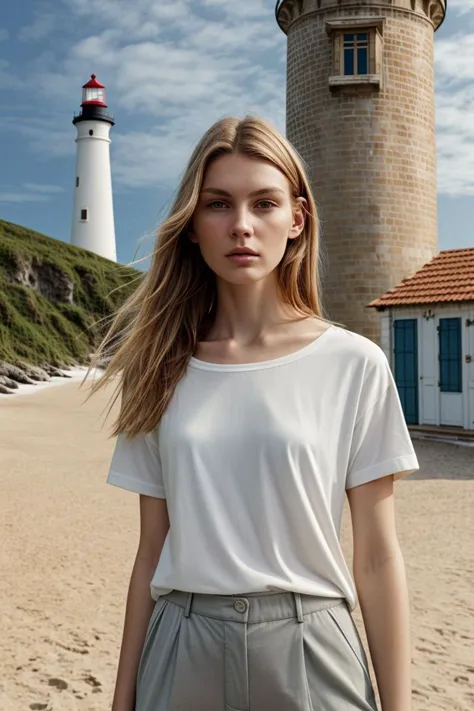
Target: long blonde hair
{"x": 155, "y": 332}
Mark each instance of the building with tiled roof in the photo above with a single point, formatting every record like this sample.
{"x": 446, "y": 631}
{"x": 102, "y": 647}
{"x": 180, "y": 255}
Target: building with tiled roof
{"x": 427, "y": 333}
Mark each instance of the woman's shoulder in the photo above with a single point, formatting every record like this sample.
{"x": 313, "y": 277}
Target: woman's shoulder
{"x": 358, "y": 356}
{"x": 354, "y": 344}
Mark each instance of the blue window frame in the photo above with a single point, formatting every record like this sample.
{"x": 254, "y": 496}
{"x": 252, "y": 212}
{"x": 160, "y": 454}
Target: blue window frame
{"x": 450, "y": 355}
{"x": 356, "y": 53}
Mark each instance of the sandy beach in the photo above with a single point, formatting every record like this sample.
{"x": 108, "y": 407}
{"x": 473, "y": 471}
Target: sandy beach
{"x": 68, "y": 541}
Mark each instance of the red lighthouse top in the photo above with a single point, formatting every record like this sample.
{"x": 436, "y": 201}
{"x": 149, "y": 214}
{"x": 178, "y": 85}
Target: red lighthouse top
{"x": 93, "y": 93}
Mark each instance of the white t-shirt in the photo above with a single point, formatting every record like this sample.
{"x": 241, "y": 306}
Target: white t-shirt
{"x": 254, "y": 460}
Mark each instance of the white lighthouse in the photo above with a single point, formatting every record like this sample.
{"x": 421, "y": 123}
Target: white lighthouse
{"x": 93, "y": 225}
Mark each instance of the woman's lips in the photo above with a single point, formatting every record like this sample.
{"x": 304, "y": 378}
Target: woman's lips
{"x": 243, "y": 258}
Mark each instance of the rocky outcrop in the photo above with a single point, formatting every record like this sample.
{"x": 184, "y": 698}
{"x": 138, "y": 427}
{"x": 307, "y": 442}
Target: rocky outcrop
{"x": 55, "y": 301}
{"x": 54, "y": 284}
{"x": 46, "y": 278}
{"x": 12, "y": 375}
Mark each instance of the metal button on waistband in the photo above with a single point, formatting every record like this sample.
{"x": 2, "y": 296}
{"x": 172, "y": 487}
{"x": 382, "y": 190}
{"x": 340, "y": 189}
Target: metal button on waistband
{"x": 241, "y": 605}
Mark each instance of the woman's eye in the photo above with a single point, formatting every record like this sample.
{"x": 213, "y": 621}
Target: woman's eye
{"x": 216, "y": 202}
{"x": 265, "y": 204}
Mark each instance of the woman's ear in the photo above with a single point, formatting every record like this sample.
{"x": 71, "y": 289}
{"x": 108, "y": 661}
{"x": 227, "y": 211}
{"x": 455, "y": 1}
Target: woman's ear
{"x": 190, "y": 232}
{"x": 299, "y": 217}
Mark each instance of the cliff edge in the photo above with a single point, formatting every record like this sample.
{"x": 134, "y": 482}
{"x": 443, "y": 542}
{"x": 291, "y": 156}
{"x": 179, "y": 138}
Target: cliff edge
{"x": 52, "y": 295}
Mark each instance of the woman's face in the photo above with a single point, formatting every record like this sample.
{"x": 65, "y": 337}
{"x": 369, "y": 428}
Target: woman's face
{"x": 245, "y": 203}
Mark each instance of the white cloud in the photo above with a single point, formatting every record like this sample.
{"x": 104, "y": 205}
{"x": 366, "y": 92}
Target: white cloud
{"x": 43, "y": 25}
{"x": 455, "y": 114}
{"x": 7, "y": 80}
{"x": 20, "y": 197}
{"x": 44, "y": 138}
{"x": 122, "y": 15}
{"x": 44, "y": 189}
{"x": 239, "y": 10}
{"x": 29, "y": 192}
{"x": 461, "y": 7}
{"x": 453, "y": 60}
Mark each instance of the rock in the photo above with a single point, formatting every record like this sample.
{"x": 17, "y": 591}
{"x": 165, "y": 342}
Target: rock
{"x": 8, "y": 382}
{"x": 46, "y": 278}
{"x": 15, "y": 373}
{"x": 36, "y": 373}
{"x": 28, "y": 374}
{"x": 49, "y": 369}
{"x": 54, "y": 371}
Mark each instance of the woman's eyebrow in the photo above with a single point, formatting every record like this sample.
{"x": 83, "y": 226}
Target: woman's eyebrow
{"x": 262, "y": 191}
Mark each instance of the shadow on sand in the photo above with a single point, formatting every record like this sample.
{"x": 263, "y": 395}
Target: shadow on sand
{"x": 443, "y": 460}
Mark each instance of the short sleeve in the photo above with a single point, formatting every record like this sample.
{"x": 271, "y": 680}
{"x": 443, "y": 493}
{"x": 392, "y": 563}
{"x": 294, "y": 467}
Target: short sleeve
{"x": 381, "y": 444}
{"x": 136, "y": 466}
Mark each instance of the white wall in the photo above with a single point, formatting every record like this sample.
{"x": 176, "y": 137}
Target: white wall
{"x": 428, "y": 370}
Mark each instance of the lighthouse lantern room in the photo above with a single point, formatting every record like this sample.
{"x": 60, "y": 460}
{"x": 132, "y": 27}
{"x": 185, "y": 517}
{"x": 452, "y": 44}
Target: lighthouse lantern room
{"x": 93, "y": 216}
{"x": 93, "y": 92}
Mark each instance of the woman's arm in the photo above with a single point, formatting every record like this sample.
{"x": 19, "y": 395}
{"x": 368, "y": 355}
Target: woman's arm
{"x": 379, "y": 575}
{"x": 154, "y": 525}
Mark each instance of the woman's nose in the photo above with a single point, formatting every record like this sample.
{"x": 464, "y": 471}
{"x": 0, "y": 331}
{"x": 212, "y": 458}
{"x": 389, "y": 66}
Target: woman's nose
{"x": 242, "y": 223}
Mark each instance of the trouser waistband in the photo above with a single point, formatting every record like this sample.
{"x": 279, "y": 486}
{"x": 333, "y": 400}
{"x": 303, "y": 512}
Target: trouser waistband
{"x": 251, "y": 608}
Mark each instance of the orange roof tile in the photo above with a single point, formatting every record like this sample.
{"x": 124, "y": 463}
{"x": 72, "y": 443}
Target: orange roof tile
{"x": 448, "y": 277}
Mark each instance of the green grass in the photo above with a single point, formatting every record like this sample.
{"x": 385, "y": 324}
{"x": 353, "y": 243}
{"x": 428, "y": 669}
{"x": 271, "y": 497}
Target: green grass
{"x": 36, "y": 330}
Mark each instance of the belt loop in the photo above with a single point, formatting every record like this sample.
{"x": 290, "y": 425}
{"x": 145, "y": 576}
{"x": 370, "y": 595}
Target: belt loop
{"x": 299, "y": 607}
{"x": 187, "y": 609}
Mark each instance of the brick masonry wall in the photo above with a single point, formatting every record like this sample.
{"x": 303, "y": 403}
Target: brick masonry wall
{"x": 371, "y": 158}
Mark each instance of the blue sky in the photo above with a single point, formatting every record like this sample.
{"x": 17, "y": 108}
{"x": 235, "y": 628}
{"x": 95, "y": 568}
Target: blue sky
{"x": 171, "y": 69}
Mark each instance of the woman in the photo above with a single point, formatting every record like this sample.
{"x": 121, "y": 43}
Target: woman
{"x": 245, "y": 416}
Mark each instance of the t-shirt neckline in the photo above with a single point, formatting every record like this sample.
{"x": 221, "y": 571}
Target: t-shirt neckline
{"x": 273, "y": 362}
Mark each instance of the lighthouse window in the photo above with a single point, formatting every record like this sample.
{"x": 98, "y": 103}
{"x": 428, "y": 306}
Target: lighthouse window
{"x": 93, "y": 94}
{"x": 356, "y": 53}
{"x": 91, "y": 132}
{"x": 77, "y": 181}
{"x": 84, "y": 215}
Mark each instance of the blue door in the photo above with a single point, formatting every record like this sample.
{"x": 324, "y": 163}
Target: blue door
{"x": 406, "y": 366}
{"x": 450, "y": 355}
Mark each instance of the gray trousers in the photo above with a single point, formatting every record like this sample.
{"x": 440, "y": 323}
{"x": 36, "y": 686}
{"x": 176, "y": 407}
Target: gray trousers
{"x": 258, "y": 652}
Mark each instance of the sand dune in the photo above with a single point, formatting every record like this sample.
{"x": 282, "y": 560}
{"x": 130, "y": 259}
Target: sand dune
{"x": 68, "y": 542}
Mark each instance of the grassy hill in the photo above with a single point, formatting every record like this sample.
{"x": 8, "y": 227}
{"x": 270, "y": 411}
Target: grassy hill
{"x": 51, "y": 294}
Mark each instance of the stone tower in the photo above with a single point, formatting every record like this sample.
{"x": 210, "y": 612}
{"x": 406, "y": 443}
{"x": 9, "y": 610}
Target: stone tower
{"x": 360, "y": 111}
